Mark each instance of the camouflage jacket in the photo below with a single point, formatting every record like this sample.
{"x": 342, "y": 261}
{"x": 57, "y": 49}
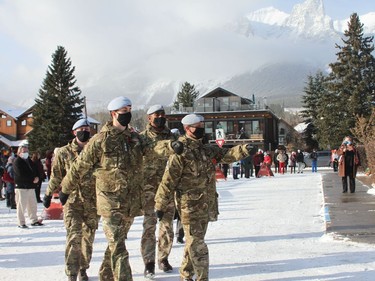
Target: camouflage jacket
{"x": 153, "y": 164}
{"x": 191, "y": 177}
{"x": 116, "y": 158}
{"x": 62, "y": 162}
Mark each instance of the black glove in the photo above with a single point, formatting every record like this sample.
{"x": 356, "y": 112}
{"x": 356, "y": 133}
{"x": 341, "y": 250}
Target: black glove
{"x": 159, "y": 214}
{"x": 63, "y": 197}
{"x": 177, "y": 146}
{"x": 47, "y": 201}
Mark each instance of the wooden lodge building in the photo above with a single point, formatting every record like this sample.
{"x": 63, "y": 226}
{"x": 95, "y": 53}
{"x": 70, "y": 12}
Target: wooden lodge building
{"x": 240, "y": 118}
{"x": 15, "y": 124}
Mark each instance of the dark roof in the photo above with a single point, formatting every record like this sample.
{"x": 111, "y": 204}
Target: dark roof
{"x": 220, "y": 92}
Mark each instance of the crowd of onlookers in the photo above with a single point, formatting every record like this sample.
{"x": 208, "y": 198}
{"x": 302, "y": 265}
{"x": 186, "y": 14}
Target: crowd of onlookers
{"x": 266, "y": 163}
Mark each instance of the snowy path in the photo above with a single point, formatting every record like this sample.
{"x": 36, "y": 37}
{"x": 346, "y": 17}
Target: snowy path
{"x": 268, "y": 229}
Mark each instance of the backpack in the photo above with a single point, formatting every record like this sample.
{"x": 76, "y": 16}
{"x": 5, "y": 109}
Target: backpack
{"x": 7, "y": 178}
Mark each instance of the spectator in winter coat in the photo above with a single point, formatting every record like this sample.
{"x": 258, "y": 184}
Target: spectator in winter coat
{"x": 281, "y": 157}
{"x": 247, "y": 165}
{"x": 292, "y": 162}
{"x": 49, "y": 155}
{"x": 41, "y": 175}
{"x": 348, "y": 164}
{"x": 275, "y": 161}
{"x": 25, "y": 178}
{"x": 257, "y": 161}
{"x": 236, "y": 166}
{"x": 265, "y": 168}
{"x": 314, "y": 162}
{"x": 335, "y": 160}
{"x": 9, "y": 185}
{"x": 300, "y": 161}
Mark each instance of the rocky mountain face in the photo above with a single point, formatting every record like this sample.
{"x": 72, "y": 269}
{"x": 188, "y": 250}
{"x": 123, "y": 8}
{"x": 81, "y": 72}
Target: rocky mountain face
{"x": 290, "y": 46}
{"x": 305, "y": 40}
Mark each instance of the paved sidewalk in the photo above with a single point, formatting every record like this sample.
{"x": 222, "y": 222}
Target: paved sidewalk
{"x": 349, "y": 215}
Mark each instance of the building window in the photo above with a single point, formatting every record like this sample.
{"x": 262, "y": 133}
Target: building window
{"x": 282, "y": 131}
{"x": 23, "y": 123}
{"x": 9, "y": 123}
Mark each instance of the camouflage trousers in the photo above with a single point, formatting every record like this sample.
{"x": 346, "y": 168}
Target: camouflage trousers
{"x": 81, "y": 223}
{"x": 165, "y": 236}
{"x": 195, "y": 257}
{"x": 115, "y": 265}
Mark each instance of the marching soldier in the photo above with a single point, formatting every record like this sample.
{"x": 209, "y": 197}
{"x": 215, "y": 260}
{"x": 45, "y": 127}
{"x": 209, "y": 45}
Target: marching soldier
{"x": 80, "y": 215}
{"x": 191, "y": 178}
{"x": 115, "y": 155}
{"x": 153, "y": 171}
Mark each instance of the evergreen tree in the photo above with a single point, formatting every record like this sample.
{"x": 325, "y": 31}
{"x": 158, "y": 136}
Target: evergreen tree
{"x": 186, "y": 96}
{"x": 351, "y": 83}
{"x": 311, "y": 101}
{"x": 57, "y": 107}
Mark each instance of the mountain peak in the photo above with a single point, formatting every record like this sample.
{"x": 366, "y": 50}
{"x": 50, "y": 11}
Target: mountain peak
{"x": 269, "y": 15}
{"x": 309, "y": 19}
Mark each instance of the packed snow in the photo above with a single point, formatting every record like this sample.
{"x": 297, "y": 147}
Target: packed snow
{"x": 268, "y": 229}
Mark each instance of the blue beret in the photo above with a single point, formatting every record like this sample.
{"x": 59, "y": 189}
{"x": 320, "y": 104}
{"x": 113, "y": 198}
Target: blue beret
{"x": 192, "y": 119}
{"x": 154, "y": 108}
{"x": 118, "y": 103}
{"x": 80, "y": 123}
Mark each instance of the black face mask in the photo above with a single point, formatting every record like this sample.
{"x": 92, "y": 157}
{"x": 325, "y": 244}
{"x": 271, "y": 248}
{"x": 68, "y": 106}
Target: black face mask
{"x": 159, "y": 122}
{"x": 124, "y": 119}
{"x": 83, "y": 136}
{"x": 198, "y": 133}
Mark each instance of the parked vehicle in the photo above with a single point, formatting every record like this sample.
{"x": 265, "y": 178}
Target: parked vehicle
{"x": 324, "y": 158}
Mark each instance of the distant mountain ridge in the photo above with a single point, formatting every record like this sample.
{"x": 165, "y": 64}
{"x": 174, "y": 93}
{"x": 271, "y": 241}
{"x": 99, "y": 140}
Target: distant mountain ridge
{"x": 283, "y": 81}
{"x": 295, "y": 45}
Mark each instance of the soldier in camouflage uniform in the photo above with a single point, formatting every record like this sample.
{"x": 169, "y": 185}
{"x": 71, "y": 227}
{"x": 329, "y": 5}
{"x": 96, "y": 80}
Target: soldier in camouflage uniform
{"x": 116, "y": 155}
{"x": 190, "y": 177}
{"x": 80, "y": 216}
{"x": 153, "y": 172}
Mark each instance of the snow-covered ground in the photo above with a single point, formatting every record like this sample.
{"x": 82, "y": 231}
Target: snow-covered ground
{"x": 268, "y": 229}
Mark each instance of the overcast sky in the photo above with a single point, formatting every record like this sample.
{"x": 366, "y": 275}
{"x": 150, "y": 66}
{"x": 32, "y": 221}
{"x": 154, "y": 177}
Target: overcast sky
{"x": 117, "y": 44}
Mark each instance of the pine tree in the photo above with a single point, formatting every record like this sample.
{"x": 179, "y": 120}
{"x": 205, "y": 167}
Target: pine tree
{"x": 57, "y": 107}
{"x": 351, "y": 83}
{"x": 311, "y": 101}
{"x": 186, "y": 96}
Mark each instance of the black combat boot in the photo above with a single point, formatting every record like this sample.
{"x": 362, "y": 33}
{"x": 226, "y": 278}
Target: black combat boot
{"x": 72, "y": 278}
{"x": 165, "y": 266}
{"x": 149, "y": 272}
{"x": 83, "y": 275}
{"x": 180, "y": 240}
